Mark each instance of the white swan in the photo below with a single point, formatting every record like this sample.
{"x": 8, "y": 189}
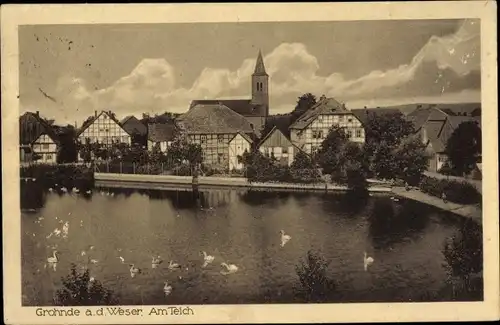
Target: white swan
{"x": 284, "y": 238}
{"x": 231, "y": 268}
{"x": 93, "y": 261}
{"x": 367, "y": 261}
{"x": 173, "y": 265}
{"x": 207, "y": 259}
{"x": 53, "y": 260}
{"x": 156, "y": 261}
{"x": 121, "y": 259}
{"x": 167, "y": 289}
{"x": 134, "y": 270}
{"x": 75, "y": 190}
{"x": 50, "y": 189}
{"x": 57, "y": 232}
{"x": 89, "y": 192}
{"x": 64, "y": 189}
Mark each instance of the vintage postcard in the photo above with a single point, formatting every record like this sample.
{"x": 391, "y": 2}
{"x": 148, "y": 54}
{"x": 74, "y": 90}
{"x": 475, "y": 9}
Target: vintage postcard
{"x": 250, "y": 163}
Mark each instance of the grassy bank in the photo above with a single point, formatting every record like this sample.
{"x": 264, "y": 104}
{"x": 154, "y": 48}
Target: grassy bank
{"x": 460, "y": 192}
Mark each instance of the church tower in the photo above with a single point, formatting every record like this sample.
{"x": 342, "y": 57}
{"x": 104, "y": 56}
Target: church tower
{"x": 260, "y": 86}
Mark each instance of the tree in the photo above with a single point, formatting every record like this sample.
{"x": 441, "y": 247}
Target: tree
{"x": 464, "y": 252}
{"x": 67, "y": 150}
{"x": 304, "y": 103}
{"x": 312, "y": 273}
{"x": 329, "y": 155}
{"x": 410, "y": 160}
{"x": 301, "y": 161}
{"x": 181, "y": 150}
{"x": 464, "y": 147}
{"x": 80, "y": 290}
{"x": 389, "y": 127}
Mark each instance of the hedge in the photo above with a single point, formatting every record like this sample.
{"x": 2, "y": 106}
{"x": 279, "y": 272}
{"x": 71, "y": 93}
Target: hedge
{"x": 455, "y": 191}
{"x": 68, "y": 175}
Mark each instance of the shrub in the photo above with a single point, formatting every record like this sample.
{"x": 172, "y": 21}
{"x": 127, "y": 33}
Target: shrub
{"x": 315, "y": 284}
{"x": 456, "y": 191}
{"x": 79, "y": 290}
{"x": 181, "y": 170}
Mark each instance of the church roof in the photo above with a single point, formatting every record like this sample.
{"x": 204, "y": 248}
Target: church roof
{"x": 213, "y": 119}
{"x": 260, "y": 69}
{"x": 243, "y": 107}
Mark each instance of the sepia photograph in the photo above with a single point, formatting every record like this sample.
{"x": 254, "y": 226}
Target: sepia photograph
{"x": 250, "y": 163}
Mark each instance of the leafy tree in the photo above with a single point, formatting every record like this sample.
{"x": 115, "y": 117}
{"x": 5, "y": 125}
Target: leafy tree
{"x": 304, "y": 103}
{"x": 302, "y": 161}
{"x": 464, "y": 147}
{"x": 389, "y": 127}
{"x": 464, "y": 252}
{"x": 80, "y": 290}
{"x": 67, "y": 151}
{"x": 181, "y": 150}
{"x": 410, "y": 160}
{"x": 329, "y": 155}
{"x": 312, "y": 273}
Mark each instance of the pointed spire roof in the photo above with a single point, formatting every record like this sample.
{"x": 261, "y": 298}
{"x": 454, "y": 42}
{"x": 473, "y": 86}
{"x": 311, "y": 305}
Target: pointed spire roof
{"x": 260, "y": 69}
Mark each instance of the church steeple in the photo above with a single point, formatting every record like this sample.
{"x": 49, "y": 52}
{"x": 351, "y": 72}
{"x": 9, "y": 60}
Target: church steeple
{"x": 260, "y": 69}
{"x": 260, "y": 86}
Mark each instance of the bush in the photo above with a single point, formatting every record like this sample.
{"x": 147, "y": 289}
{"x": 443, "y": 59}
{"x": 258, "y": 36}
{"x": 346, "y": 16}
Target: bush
{"x": 79, "y": 290}
{"x": 456, "y": 191}
{"x": 69, "y": 175}
{"x": 149, "y": 169}
{"x": 181, "y": 170}
{"x": 315, "y": 285}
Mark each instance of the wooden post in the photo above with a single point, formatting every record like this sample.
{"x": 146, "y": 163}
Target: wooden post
{"x": 133, "y": 167}
{"x": 121, "y": 167}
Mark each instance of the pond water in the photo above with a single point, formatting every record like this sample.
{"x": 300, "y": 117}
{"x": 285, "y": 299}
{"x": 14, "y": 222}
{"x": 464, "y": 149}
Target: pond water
{"x": 241, "y": 228}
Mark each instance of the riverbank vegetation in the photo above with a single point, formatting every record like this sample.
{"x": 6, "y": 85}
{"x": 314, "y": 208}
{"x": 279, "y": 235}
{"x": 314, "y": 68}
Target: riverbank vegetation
{"x": 67, "y": 175}
{"x": 460, "y": 192}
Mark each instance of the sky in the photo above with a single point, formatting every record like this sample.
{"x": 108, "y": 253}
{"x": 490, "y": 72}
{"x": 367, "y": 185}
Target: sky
{"x": 69, "y": 71}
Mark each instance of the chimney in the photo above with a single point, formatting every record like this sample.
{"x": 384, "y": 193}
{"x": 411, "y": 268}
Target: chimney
{"x": 95, "y": 113}
{"x": 37, "y": 113}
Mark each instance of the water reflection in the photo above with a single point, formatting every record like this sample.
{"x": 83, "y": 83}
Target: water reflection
{"x": 390, "y": 223}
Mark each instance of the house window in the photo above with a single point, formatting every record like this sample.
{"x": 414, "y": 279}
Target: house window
{"x": 315, "y": 134}
{"x": 49, "y": 156}
{"x": 220, "y": 138}
{"x": 220, "y": 158}
{"x": 358, "y": 133}
{"x": 349, "y": 133}
{"x": 100, "y": 130}
{"x": 284, "y": 150}
{"x": 320, "y": 134}
{"x": 107, "y": 130}
{"x": 203, "y": 138}
{"x": 45, "y": 146}
{"x": 349, "y": 119}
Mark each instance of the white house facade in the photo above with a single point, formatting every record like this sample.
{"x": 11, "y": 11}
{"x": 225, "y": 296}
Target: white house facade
{"x": 104, "y": 129}
{"x": 237, "y": 147}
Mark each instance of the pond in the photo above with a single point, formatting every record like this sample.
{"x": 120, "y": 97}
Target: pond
{"x": 240, "y": 228}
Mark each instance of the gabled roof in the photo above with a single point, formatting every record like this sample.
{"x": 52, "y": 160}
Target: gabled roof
{"x": 32, "y": 126}
{"x": 243, "y": 107}
{"x": 455, "y": 121}
{"x": 213, "y": 119}
{"x": 160, "y": 132}
{"x": 89, "y": 122}
{"x": 270, "y": 133}
{"x": 244, "y": 136}
{"x": 133, "y": 126}
{"x": 435, "y": 136}
{"x": 326, "y": 106}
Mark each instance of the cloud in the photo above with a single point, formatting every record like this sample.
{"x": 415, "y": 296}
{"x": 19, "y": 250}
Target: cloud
{"x": 444, "y": 66}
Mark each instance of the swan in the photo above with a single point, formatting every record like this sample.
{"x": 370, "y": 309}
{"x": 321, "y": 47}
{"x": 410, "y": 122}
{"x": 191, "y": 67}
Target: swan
{"x": 75, "y": 190}
{"x": 50, "y": 189}
{"x": 89, "y": 192}
{"x": 84, "y": 253}
{"x": 156, "y": 261}
{"x": 53, "y": 260}
{"x": 284, "y": 238}
{"x": 121, "y": 259}
{"x": 231, "y": 268}
{"x": 134, "y": 270}
{"x": 367, "y": 261}
{"x": 93, "y": 261}
{"x": 207, "y": 259}
{"x": 167, "y": 289}
{"x": 57, "y": 232}
{"x": 173, "y": 265}
{"x": 64, "y": 189}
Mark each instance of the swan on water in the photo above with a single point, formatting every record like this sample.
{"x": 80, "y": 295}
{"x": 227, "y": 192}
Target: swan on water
{"x": 75, "y": 190}
{"x": 156, "y": 261}
{"x": 207, "y": 259}
{"x": 121, "y": 259}
{"x": 134, "y": 270}
{"x": 284, "y": 238}
{"x": 231, "y": 268}
{"x": 173, "y": 265}
{"x": 167, "y": 289}
{"x": 53, "y": 260}
{"x": 50, "y": 189}
{"x": 93, "y": 261}
{"x": 367, "y": 261}
{"x": 64, "y": 189}
{"x": 84, "y": 253}
{"x": 89, "y": 192}
{"x": 57, "y": 232}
